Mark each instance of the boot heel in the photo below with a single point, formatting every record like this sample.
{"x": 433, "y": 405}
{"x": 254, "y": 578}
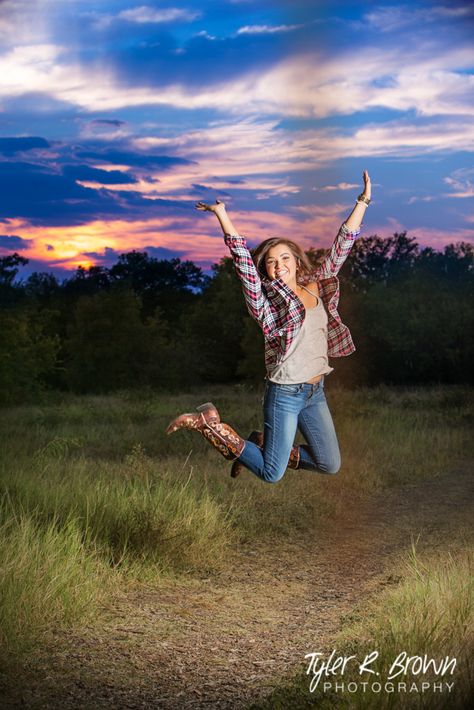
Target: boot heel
{"x": 208, "y": 412}
{"x": 205, "y": 407}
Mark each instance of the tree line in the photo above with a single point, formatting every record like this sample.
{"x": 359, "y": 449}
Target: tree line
{"x": 164, "y": 324}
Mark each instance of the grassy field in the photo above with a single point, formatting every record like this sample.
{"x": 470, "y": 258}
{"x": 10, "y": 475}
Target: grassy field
{"x": 95, "y": 496}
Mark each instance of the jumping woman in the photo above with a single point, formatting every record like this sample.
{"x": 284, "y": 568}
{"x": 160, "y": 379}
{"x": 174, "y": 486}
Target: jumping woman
{"x": 296, "y": 307}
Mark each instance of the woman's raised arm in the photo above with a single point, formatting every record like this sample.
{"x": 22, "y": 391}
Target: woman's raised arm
{"x": 354, "y": 220}
{"x": 219, "y": 210}
{"x": 345, "y": 237}
{"x": 257, "y": 303}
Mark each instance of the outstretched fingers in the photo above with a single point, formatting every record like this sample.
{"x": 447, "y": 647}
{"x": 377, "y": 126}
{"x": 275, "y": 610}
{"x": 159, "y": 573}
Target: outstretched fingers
{"x": 209, "y": 208}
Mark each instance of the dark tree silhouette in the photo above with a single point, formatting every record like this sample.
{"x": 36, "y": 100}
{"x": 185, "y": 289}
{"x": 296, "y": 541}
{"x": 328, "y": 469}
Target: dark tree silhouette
{"x": 163, "y": 323}
{"x": 9, "y": 267}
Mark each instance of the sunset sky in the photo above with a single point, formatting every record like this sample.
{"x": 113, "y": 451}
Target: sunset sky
{"x": 116, "y": 117}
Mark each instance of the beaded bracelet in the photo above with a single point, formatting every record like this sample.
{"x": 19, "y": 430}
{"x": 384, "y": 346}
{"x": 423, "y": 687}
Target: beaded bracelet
{"x": 364, "y": 199}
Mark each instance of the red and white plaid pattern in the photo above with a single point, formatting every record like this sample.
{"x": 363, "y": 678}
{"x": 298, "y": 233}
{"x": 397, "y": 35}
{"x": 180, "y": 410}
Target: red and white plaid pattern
{"x": 279, "y": 311}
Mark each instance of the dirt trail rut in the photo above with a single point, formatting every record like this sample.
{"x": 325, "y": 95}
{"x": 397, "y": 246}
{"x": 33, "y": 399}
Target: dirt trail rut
{"x": 225, "y": 641}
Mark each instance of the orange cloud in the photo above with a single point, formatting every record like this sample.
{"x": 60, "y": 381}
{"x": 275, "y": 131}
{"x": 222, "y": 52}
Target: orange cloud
{"x": 199, "y": 238}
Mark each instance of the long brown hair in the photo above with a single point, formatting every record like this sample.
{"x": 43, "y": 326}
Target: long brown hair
{"x": 303, "y": 265}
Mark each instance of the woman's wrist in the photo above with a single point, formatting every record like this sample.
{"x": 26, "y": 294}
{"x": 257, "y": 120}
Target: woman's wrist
{"x": 363, "y": 199}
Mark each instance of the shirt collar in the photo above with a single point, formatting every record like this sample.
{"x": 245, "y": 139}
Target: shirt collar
{"x": 280, "y": 287}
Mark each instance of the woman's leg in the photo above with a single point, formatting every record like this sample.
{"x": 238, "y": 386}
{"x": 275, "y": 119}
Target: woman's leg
{"x": 282, "y": 404}
{"x": 315, "y": 423}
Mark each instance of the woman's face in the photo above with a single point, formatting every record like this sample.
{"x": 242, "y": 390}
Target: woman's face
{"x": 280, "y": 263}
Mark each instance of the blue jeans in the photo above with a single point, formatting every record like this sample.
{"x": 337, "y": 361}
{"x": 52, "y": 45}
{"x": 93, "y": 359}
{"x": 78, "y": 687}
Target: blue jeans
{"x": 287, "y": 408}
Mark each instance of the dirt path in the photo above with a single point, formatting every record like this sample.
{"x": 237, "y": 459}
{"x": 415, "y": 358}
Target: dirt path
{"x": 226, "y": 640}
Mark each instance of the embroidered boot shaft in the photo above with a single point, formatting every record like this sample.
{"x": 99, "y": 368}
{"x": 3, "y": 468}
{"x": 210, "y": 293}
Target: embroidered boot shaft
{"x": 207, "y": 421}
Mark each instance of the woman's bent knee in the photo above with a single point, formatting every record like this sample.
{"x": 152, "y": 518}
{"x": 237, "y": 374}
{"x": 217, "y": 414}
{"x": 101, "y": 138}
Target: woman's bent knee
{"x": 333, "y": 467}
{"x": 273, "y": 474}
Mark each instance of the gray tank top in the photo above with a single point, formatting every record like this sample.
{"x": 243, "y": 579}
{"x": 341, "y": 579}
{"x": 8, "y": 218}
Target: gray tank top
{"x": 308, "y": 353}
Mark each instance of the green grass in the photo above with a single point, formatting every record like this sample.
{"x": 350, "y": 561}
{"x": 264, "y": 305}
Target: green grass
{"x": 430, "y": 611}
{"x": 92, "y": 487}
{"x": 47, "y": 575}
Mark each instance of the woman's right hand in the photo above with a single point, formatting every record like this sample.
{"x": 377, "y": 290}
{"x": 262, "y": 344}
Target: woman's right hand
{"x": 219, "y": 206}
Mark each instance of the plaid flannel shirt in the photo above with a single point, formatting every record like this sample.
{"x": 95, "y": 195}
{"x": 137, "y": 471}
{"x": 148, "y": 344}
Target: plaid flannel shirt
{"x": 278, "y": 310}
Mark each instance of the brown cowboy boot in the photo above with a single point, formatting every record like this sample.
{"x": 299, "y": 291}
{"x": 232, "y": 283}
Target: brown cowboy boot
{"x": 294, "y": 459}
{"x": 207, "y": 421}
{"x": 256, "y": 437}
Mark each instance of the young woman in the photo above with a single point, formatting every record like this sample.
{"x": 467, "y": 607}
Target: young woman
{"x": 296, "y": 308}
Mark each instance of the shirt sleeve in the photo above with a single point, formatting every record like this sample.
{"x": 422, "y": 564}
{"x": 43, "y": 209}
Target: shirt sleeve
{"x": 256, "y": 301}
{"x": 338, "y": 253}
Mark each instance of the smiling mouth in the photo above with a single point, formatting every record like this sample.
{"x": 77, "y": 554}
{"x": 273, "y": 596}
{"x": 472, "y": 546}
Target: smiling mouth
{"x": 280, "y": 273}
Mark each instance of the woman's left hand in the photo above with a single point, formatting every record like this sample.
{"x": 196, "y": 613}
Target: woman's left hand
{"x": 367, "y": 185}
